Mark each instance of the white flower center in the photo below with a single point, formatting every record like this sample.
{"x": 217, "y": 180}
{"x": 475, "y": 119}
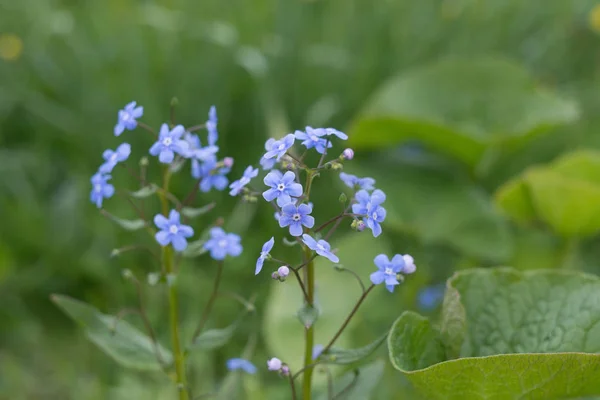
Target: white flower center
{"x": 296, "y": 217}
{"x": 281, "y": 146}
{"x": 264, "y": 254}
{"x": 321, "y": 247}
{"x": 126, "y": 116}
{"x": 173, "y": 229}
{"x": 374, "y": 216}
{"x": 281, "y": 187}
{"x": 113, "y": 158}
{"x": 98, "y": 187}
{"x": 222, "y": 243}
{"x": 167, "y": 141}
{"x": 314, "y": 138}
{"x": 389, "y": 271}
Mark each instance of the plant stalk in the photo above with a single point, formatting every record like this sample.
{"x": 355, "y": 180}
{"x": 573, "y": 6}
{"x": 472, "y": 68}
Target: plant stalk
{"x": 309, "y": 333}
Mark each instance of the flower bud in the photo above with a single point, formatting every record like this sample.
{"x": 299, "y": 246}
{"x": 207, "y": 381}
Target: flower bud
{"x": 285, "y": 370}
{"x": 127, "y": 274}
{"x": 228, "y": 162}
{"x": 274, "y": 364}
{"x": 360, "y": 226}
{"x": 283, "y": 271}
{"x": 343, "y": 198}
{"x": 275, "y": 276}
{"x": 348, "y": 154}
{"x": 409, "y": 264}
{"x": 144, "y": 162}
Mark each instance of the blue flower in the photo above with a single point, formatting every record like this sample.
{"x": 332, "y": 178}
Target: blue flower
{"x": 169, "y": 142}
{"x": 321, "y": 247}
{"x": 268, "y": 163}
{"x": 112, "y": 158}
{"x": 387, "y": 271}
{"x": 195, "y": 151}
{"x": 222, "y": 244}
{"x": 127, "y": 118}
{"x": 369, "y": 206}
{"x": 264, "y": 254}
{"x": 283, "y": 186}
{"x": 314, "y": 138}
{"x": 172, "y": 231}
{"x": 238, "y": 185}
{"x": 101, "y": 189}
{"x": 211, "y": 126}
{"x": 296, "y": 216}
{"x": 277, "y": 148}
{"x": 212, "y": 175}
{"x": 355, "y": 182}
{"x": 335, "y": 132}
{"x": 234, "y": 364}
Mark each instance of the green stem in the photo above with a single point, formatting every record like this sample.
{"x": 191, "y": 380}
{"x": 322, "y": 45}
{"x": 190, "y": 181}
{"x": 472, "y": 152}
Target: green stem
{"x": 167, "y": 253}
{"x": 309, "y": 334}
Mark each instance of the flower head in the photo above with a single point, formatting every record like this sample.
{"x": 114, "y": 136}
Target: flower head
{"x": 238, "y": 185}
{"x": 127, "y": 118}
{"x": 355, "y": 182}
{"x": 101, "y": 189}
{"x": 113, "y": 157}
{"x": 313, "y": 138}
{"x": 274, "y": 364}
{"x": 169, "y": 142}
{"x": 211, "y": 126}
{"x": 222, "y": 244}
{"x": 277, "y": 148}
{"x": 234, "y": 364}
{"x": 335, "y": 132}
{"x": 321, "y": 247}
{"x": 296, "y": 216}
{"x": 172, "y": 231}
{"x": 212, "y": 175}
{"x": 348, "y": 154}
{"x": 195, "y": 151}
{"x": 283, "y": 187}
{"x": 388, "y": 270}
{"x": 264, "y": 254}
{"x": 369, "y": 206}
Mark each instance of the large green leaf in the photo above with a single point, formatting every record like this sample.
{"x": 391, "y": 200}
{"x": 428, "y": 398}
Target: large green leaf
{"x": 461, "y": 107}
{"x": 564, "y": 195}
{"x": 117, "y": 338}
{"x": 518, "y": 335}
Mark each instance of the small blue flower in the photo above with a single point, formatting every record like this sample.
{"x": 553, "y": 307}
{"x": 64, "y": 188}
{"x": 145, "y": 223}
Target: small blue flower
{"x": 283, "y": 187}
{"x": 222, "y": 244}
{"x": 112, "y": 158}
{"x": 277, "y": 148}
{"x": 211, "y": 126}
{"x": 335, "y": 132}
{"x": 430, "y": 297}
{"x": 321, "y": 247}
{"x": 212, "y": 175}
{"x": 101, "y": 189}
{"x": 235, "y": 364}
{"x": 195, "y": 151}
{"x": 314, "y": 138}
{"x": 264, "y": 254}
{"x": 127, "y": 118}
{"x": 172, "y": 231}
{"x": 296, "y": 216}
{"x": 355, "y": 182}
{"x": 317, "y": 350}
{"x": 169, "y": 142}
{"x": 238, "y": 185}
{"x": 268, "y": 163}
{"x": 387, "y": 271}
{"x": 369, "y": 206}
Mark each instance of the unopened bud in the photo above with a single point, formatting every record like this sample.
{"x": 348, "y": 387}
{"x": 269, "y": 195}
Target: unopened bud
{"x": 285, "y": 370}
{"x": 283, "y": 271}
{"x": 115, "y": 252}
{"x": 127, "y": 274}
{"x": 274, "y": 364}
{"x": 348, "y": 154}
{"x": 275, "y": 276}
{"x": 343, "y": 198}
{"x": 144, "y": 162}
{"x": 174, "y": 101}
{"x": 228, "y": 162}
{"x": 335, "y": 165}
{"x": 360, "y": 226}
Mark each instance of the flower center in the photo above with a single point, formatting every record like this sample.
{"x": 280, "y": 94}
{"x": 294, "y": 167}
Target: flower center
{"x": 173, "y": 229}
{"x": 126, "y": 116}
{"x": 281, "y": 187}
{"x": 320, "y": 247}
{"x": 98, "y": 187}
{"x": 167, "y": 141}
{"x": 296, "y": 217}
{"x": 389, "y": 271}
{"x": 113, "y": 158}
{"x": 314, "y": 138}
{"x": 374, "y": 215}
{"x": 281, "y": 146}
{"x": 222, "y": 243}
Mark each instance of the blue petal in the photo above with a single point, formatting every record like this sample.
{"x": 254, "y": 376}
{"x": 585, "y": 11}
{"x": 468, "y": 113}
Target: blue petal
{"x": 295, "y": 229}
{"x": 308, "y": 221}
{"x": 162, "y": 237}
{"x": 382, "y": 261}
{"x": 283, "y": 198}
{"x": 295, "y": 189}
{"x": 268, "y": 246}
{"x": 259, "y": 265}
{"x": 309, "y": 241}
{"x": 377, "y": 197}
{"x": 270, "y": 194}
{"x": 377, "y": 277}
{"x": 161, "y": 222}
{"x": 179, "y": 243}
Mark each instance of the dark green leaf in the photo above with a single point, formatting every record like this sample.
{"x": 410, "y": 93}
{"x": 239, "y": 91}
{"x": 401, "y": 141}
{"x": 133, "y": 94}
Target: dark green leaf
{"x": 215, "y": 338}
{"x": 127, "y": 224}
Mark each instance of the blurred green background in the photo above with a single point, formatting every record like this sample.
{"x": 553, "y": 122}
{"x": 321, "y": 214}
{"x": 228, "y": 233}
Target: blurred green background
{"x": 478, "y": 118}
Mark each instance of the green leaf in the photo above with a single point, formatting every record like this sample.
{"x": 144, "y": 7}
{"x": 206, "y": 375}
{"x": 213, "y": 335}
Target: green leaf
{"x": 196, "y": 212}
{"x": 530, "y": 334}
{"x": 144, "y": 192}
{"x": 307, "y": 315}
{"x": 343, "y": 356}
{"x": 117, "y": 338}
{"x": 564, "y": 195}
{"x": 195, "y": 249}
{"x": 214, "y": 338}
{"x": 127, "y": 224}
{"x": 358, "y": 384}
{"x": 461, "y": 107}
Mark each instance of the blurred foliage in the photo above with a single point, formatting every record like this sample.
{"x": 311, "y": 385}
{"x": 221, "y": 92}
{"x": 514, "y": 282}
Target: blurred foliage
{"x": 445, "y": 100}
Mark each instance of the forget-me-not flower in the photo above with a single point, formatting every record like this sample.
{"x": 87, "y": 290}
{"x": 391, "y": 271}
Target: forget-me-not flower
{"x": 172, "y": 231}
{"x": 314, "y": 138}
{"x": 234, "y": 364}
{"x": 355, "y": 182}
{"x": 369, "y": 206}
{"x": 264, "y": 254}
{"x": 101, "y": 189}
{"x": 388, "y": 270}
{"x": 296, "y": 216}
{"x": 237, "y": 186}
{"x": 113, "y": 157}
{"x": 268, "y": 163}
{"x": 321, "y": 247}
{"x": 211, "y": 126}
{"x": 169, "y": 142}
{"x": 222, "y": 244}
{"x": 127, "y": 118}
{"x": 195, "y": 151}
{"x": 212, "y": 175}
{"x": 277, "y": 148}
{"x": 283, "y": 187}
{"x": 335, "y": 132}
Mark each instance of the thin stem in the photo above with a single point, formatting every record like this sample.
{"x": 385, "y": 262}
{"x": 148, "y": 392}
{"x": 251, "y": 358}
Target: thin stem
{"x": 309, "y": 333}
{"x": 324, "y": 224}
{"x": 292, "y": 385}
{"x": 192, "y": 194}
{"x": 196, "y": 128}
{"x": 329, "y": 383}
{"x": 299, "y": 279}
{"x": 347, "y": 320}
{"x": 360, "y": 282}
{"x": 297, "y": 374}
{"x": 146, "y": 128}
{"x": 350, "y": 385}
{"x": 300, "y": 163}
{"x": 211, "y": 301}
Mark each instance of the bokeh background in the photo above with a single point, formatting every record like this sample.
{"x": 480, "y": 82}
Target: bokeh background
{"x": 478, "y": 118}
